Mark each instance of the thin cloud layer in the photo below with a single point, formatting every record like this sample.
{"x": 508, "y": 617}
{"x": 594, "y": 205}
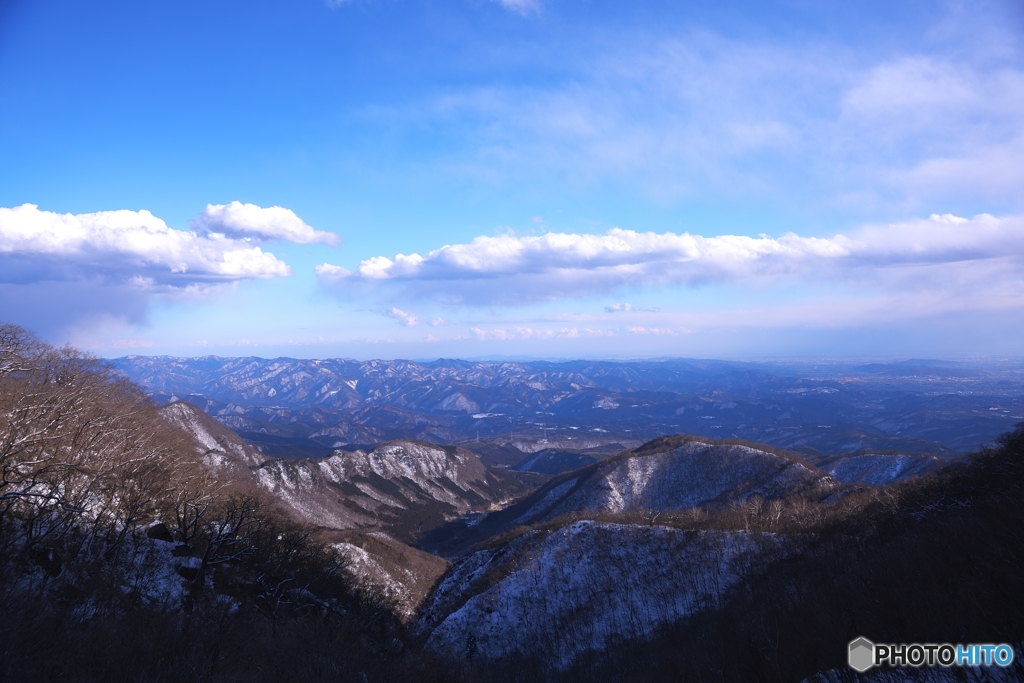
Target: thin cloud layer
{"x": 40, "y": 245}
{"x": 685, "y": 116}
{"x": 511, "y": 268}
{"x": 240, "y": 220}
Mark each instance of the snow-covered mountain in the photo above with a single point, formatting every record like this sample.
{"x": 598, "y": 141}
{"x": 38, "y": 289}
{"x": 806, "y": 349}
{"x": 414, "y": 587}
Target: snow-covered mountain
{"x": 557, "y": 595}
{"x": 554, "y": 592}
{"x": 301, "y": 408}
{"x": 401, "y": 486}
{"x": 671, "y": 473}
{"x": 368, "y": 503}
{"x": 677, "y": 473}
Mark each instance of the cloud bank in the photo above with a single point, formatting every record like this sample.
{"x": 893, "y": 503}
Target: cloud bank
{"x": 510, "y": 268}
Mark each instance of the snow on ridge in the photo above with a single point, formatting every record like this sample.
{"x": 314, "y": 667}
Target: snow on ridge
{"x": 584, "y": 586}
{"x": 371, "y": 575}
{"x": 692, "y": 474}
{"x": 220, "y": 447}
{"x": 340, "y": 491}
{"x": 416, "y": 461}
{"x": 183, "y": 416}
{"x": 880, "y": 468}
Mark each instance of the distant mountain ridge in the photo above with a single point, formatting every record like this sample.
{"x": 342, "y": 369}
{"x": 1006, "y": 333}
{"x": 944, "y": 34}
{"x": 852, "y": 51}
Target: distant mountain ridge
{"x": 303, "y": 408}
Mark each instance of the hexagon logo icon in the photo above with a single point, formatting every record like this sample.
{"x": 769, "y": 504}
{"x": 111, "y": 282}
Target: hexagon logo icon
{"x": 861, "y": 655}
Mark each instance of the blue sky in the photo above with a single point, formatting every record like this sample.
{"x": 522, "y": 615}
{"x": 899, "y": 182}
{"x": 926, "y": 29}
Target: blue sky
{"x": 532, "y": 178}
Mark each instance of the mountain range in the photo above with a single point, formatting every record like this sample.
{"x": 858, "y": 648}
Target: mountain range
{"x": 305, "y": 408}
{"x": 594, "y": 540}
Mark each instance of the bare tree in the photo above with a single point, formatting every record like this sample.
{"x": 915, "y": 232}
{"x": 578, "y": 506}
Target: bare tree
{"x": 79, "y": 445}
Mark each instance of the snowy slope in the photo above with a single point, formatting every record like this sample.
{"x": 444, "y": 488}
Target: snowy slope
{"x": 881, "y": 468}
{"x": 400, "y": 486}
{"x": 398, "y": 574}
{"x": 220, "y": 446}
{"x": 387, "y": 492}
{"x": 689, "y": 474}
{"x": 581, "y": 587}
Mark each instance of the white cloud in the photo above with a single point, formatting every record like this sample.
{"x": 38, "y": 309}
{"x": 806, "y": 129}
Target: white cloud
{"x": 331, "y": 271}
{"x": 62, "y": 273}
{"x": 43, "y": 245}
{"x": 249, "y": 220}
{"x": 407, "y": 319}
{"x": 510, "y": 268}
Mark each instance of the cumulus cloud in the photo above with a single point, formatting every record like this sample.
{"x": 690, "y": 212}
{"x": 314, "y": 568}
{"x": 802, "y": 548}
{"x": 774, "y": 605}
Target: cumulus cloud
{"x": 136, "y": 245}
{"x": 507, "y": 268}
{"x": 566, "y": 263}
{"x": 61, "y": 272}
{"x": 407, "y": 319}
{"x": 240, "y": 220}
{"x": 330, "y": 271}
{"x": 619, "y": 256}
